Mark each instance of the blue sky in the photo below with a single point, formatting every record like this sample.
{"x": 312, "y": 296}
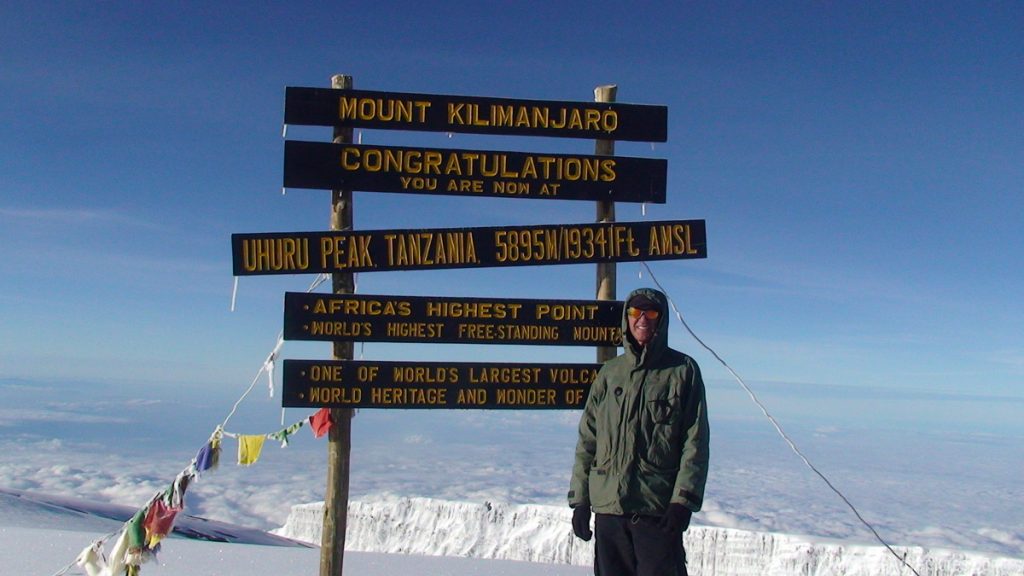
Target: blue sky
{"x": 859, "y": 167}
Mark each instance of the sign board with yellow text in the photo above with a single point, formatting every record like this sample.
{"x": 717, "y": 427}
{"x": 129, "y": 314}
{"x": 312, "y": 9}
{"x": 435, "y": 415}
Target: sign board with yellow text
{"x": 478, "y": 173}
{"x": 441, "y": 248}
{"x": 450, "y": 320}
{"x": 436, "y": 385}
{"x": 472, "y": 114}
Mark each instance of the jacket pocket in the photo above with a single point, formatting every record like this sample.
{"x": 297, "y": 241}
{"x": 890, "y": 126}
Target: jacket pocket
{"x": 603, "y": 487}
{"x": 656, "y": 484}
{"x": 661, "y": 430}
{"x": 660, "y": 410}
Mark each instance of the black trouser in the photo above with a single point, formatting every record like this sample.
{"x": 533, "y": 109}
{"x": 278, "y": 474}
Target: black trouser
{"x": 635, "y": 546}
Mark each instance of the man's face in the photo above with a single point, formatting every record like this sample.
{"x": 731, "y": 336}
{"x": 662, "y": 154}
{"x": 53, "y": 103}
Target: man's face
{"x": 643, "y": 323}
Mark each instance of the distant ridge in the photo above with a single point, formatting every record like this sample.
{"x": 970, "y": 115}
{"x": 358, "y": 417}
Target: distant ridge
{"x": 46, "y": 511}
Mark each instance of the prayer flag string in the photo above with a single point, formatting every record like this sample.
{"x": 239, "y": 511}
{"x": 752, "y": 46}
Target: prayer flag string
{"x": 139, "y": 538}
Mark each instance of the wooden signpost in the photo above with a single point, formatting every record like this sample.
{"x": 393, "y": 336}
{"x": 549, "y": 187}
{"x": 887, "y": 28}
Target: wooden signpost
{"x": 339, "y": 437}
{"x": 606, "y": 271}
{"x": 343, "y": 384}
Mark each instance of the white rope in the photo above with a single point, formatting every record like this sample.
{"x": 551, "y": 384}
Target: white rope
{"x": 234, "y": 293}
{"x": 268, "y": 365}
{"x": 98, "y": 543}
{"x": 776, "y": 425}
{"x": 65, "y": 569}
{"x": 252, "y": 384}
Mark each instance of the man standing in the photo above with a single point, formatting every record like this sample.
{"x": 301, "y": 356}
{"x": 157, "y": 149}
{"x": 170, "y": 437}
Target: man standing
{"x": 642, "y": 453}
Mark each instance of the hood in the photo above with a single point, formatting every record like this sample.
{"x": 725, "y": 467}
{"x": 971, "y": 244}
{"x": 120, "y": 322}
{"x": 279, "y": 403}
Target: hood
{"x": 660, "y": 342}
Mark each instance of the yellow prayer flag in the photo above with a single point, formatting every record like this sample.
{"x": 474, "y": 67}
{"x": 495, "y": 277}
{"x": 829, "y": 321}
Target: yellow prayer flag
{"x": 249, "y": 448}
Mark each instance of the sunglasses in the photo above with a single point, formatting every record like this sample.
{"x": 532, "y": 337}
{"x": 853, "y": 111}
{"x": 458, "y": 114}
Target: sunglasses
{"x": 637, "y": 312}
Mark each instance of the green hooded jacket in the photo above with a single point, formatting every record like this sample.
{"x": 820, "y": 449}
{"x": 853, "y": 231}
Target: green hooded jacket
{"x": 643, "y": 436}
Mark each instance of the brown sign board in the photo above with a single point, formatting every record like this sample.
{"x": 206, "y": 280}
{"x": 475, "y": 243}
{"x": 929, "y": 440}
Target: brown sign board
{"x": 473, "y": 114}
{"x": 442, "y": 248}
{"x": 480, "y": 173}
{"x": 376, "y": 318}
{"x": 437, "y": 385}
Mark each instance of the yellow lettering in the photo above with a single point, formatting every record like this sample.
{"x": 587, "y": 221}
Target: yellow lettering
{"x": 472, "y": 396}
{"x": 572, "y": 375}
{"x": 325, "y": 373}
{"x": 382, "y": 109}
{"x": 607, "y": 171}
{"x": 334, "y": 328}
{"x": 566, "y": 311}
{"x": 575, "y": 120}
{"x": 504, "y": 375}
{"x": 408, "y": 396}
{"x": 266, "y": 254}
{"x": 525, "y": 396}
{"x": 455, "y": 113}
{"x": 597, "y": 334}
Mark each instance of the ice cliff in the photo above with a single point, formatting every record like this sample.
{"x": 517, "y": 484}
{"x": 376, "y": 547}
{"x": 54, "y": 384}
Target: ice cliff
{"x": 537, "y": 533}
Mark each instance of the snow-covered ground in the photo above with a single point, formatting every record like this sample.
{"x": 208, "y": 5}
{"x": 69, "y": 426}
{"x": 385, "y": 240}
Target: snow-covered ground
{"x": 27, "y": 551}
{"x": 44, "y": 538}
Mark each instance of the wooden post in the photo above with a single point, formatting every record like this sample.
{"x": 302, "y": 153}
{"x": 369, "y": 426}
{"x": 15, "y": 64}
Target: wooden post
{"x": 605, "y": 213}
{"x": 339, "y": 445}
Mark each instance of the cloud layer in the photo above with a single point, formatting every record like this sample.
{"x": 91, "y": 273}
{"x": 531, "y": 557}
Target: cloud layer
{"x": 954, "y": 490}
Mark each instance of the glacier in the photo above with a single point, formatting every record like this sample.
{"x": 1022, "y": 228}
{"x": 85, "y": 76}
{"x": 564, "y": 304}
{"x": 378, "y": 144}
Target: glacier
{"x": 542, "y": 533}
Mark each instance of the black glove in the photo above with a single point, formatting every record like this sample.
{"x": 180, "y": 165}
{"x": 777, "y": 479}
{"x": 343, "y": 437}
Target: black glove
{"x": 677, "y": 517}
{"x": 581, "y": 522}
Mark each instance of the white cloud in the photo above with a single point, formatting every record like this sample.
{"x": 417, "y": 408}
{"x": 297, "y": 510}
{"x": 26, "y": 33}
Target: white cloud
{"x": 1012, "y": 359}
{"x": 1010, "y": 539}
{"x": 417, "y": 439}
{"x": 15, "y": 417}
{"x": 72, "y": 216}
